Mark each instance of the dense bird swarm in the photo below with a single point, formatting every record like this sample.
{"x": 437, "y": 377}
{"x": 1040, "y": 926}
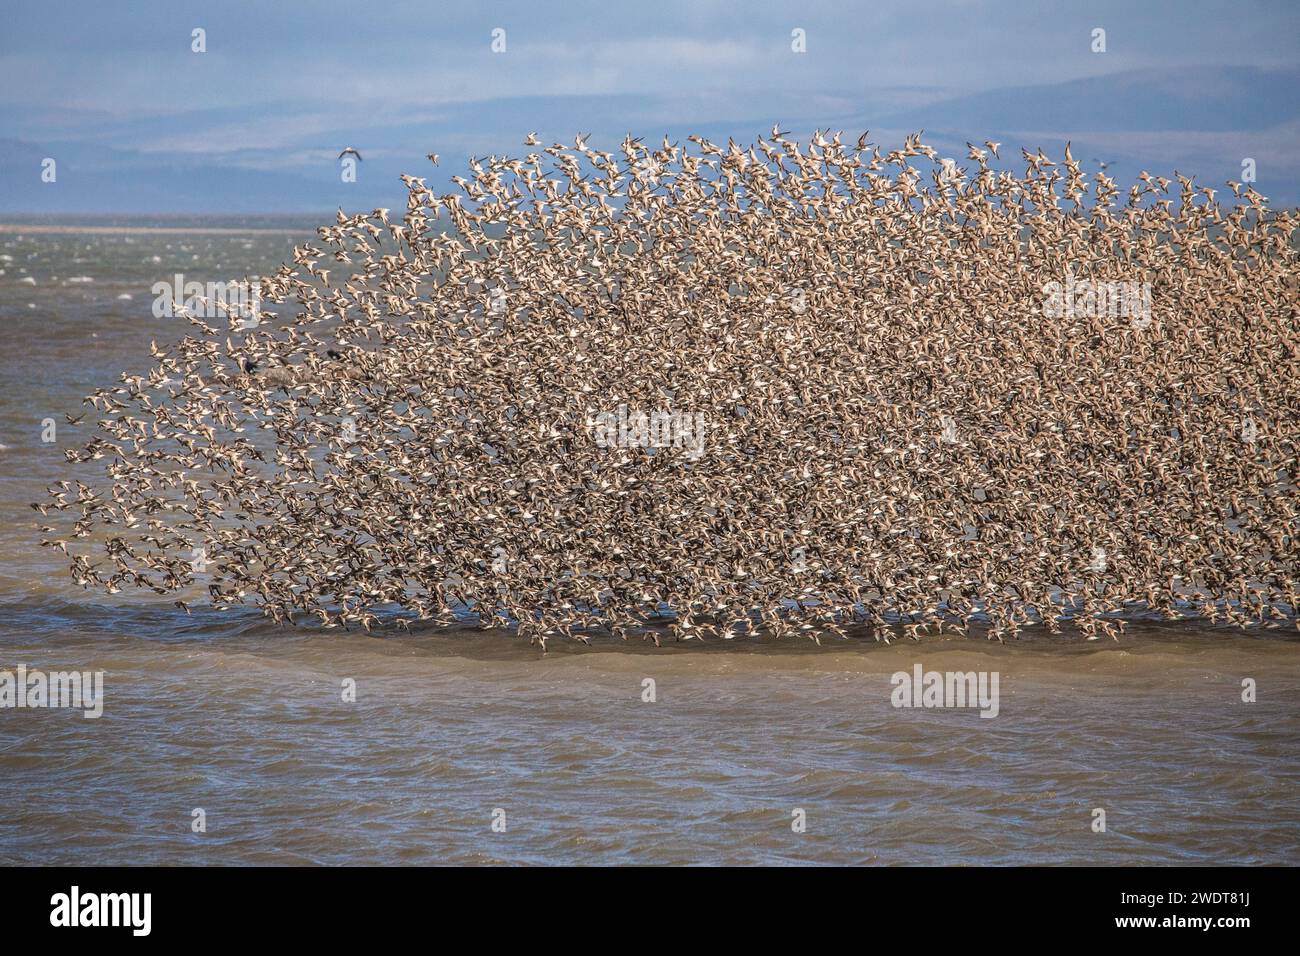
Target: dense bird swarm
{"x": 897, "y": 429}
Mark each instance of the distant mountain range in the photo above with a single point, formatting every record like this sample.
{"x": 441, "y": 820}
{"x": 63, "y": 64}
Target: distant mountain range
{"x": 1202, "y": 121}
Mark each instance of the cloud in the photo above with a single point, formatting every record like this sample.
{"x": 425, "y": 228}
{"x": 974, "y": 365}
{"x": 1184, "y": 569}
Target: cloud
{"x": 280, "y": 92}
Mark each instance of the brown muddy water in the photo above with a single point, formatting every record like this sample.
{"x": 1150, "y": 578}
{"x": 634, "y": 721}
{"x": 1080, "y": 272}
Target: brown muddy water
{"x": 453, "y": 731}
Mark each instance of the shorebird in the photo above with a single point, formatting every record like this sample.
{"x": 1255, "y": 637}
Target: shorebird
{"x": 713, "y": 390}
{"x": 348, "y": 150}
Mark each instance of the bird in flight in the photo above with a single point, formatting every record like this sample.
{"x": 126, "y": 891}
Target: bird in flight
{"x": 349, "y": 150}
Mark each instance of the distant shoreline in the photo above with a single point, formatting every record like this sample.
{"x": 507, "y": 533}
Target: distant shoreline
{"x": 17, "y": 227}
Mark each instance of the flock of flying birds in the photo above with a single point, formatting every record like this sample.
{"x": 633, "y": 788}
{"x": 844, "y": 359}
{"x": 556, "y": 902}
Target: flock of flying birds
{"x": 897, "y": 437}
